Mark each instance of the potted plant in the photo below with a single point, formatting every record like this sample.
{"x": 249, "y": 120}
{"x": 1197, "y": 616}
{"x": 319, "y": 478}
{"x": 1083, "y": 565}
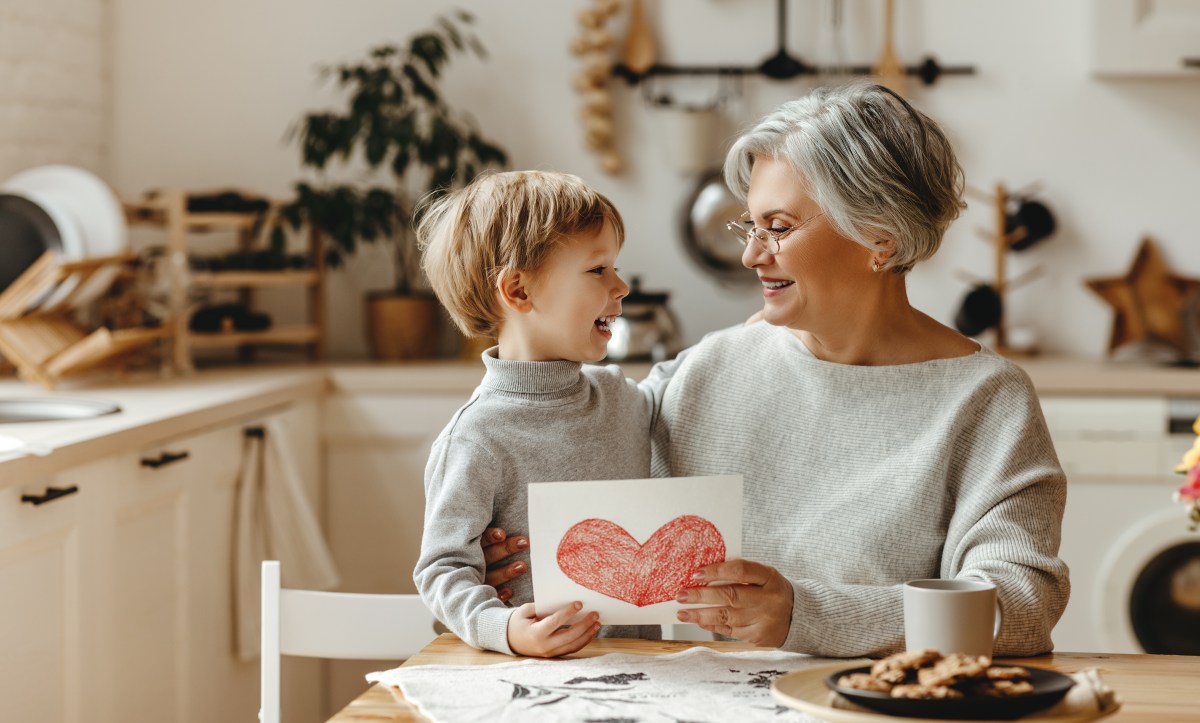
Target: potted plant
{"x": 412, "y": 143}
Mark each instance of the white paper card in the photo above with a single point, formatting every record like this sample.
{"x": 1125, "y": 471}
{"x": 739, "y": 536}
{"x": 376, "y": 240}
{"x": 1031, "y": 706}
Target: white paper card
{"x": 624, "y": 548}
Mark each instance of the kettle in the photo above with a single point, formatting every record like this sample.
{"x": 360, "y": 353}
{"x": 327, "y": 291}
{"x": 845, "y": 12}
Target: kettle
{"x": 646, "y": 330}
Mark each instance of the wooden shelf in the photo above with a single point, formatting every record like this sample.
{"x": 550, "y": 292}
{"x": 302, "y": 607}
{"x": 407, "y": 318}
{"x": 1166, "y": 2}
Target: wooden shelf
{"x": 246, "y": 279}
{"x": 277, "y": 335}
{"x": 169, "y": 211}
{"x": 156, "y": 212}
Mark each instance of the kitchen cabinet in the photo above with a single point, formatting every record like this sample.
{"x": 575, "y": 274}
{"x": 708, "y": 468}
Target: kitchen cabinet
{"x": 51, "y": 633}
{"x": 376, "y": 446}
{"x": 1145, "y": 37}
{"x": 118, "y": 598}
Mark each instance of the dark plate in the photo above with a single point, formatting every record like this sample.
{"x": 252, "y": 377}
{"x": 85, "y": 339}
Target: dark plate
{"x": 1048, "y": 688}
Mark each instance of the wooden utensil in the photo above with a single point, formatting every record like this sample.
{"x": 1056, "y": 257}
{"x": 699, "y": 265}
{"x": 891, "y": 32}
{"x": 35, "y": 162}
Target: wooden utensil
{"x": 639, "y": 52}
{"x": 889, "y": 71}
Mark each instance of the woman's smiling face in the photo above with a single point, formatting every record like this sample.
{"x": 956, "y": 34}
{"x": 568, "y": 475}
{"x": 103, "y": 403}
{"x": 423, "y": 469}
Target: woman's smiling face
{"x": 814, "y": 278}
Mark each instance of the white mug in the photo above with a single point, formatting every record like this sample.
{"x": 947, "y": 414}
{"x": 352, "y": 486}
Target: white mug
{"x": 951, "y": 616}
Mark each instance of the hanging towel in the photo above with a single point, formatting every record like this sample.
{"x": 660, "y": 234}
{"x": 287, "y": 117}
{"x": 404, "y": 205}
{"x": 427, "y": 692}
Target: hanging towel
{"x": 274, "y": 522}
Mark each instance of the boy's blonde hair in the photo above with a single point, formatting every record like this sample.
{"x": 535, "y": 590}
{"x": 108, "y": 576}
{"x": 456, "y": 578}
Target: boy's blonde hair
{"x": 503, "y": 222}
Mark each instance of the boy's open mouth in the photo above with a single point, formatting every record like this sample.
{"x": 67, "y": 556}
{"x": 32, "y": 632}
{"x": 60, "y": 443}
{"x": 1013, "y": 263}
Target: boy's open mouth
{"x": 604, "y": 323}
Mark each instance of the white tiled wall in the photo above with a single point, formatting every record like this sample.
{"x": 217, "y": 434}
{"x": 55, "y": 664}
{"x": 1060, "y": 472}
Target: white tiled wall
{"x": 54, "y": 84}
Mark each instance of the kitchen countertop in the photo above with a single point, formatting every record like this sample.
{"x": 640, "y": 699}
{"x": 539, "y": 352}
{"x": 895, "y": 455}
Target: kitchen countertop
{"x": 152, "y": 409}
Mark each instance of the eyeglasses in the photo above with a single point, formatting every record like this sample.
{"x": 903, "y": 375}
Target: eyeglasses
{"x": 743, "y": 229}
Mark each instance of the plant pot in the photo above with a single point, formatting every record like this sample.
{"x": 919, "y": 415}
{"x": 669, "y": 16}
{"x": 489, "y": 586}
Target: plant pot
{"x": 402, "y": 327}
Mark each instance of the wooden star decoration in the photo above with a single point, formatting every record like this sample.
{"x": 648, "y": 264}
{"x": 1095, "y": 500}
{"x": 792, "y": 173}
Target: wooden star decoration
{"x": 1149, "y": 301}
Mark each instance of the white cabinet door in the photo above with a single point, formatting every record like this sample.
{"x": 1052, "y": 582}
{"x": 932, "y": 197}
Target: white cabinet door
{"x": 150, "y": 583}
{"x": 52, "y": 638}
{"x": 221, "y": 686}
{"x": 178, "y": 516}
{"x": 1145, "y": 37}
{"x": 376, "y": 449}
{"x": 376, "y": 446}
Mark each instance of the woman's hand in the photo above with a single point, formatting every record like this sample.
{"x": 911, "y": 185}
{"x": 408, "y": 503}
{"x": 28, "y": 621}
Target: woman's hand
{"x": 553, "y": 635}
{"x": 756, "y": 608}
{"x": 497, "y": 546}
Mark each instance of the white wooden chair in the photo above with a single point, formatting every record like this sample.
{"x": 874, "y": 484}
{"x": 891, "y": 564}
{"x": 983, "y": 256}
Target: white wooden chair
{"x": 316, "y": 624}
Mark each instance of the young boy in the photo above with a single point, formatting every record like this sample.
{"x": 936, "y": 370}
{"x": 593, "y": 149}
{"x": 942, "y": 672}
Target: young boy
{"x": 526, "y": 258}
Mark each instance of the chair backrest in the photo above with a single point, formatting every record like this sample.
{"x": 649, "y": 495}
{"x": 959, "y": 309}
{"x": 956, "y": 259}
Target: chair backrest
{"x": 316, "y": 624}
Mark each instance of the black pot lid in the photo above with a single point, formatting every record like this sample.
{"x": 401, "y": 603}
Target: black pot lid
{"x": 26, "y": 232}
{"x": 709, "y": 207}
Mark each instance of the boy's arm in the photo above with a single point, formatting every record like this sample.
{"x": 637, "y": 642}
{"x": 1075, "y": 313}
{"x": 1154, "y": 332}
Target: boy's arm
{"x": 460, "y": 481}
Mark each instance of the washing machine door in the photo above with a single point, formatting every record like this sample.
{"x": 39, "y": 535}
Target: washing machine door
{"x": 1149, "y": 596}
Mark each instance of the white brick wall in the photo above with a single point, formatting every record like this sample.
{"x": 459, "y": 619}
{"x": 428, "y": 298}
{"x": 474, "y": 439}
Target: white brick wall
{"x": 54, "y": 84}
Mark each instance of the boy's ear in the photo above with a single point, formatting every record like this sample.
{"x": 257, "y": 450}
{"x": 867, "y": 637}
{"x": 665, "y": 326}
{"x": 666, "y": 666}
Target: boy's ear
{"x": 512, "y": 286}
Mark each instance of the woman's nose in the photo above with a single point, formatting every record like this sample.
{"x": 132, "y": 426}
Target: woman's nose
{"x": 754, "y": 254}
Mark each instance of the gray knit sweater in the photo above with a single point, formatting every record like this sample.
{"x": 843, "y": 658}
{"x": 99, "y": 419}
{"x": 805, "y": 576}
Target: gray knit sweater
{"x": 527, "y": 422}
{"x": 858, "y": 478}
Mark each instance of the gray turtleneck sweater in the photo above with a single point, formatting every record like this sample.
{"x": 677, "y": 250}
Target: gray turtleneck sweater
{"x": 527, "y": 422}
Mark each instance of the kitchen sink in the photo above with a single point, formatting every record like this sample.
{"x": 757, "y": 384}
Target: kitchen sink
{"x": 52, "y": 409}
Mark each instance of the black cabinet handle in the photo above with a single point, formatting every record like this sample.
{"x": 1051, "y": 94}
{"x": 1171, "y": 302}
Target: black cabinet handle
{"x": 1192, "y": 62}
{"x": 164, "y": 459}
{"x": 52, "y": 493}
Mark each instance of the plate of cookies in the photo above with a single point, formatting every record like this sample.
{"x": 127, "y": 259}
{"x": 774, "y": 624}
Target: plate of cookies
{"x": 923, "y": 684}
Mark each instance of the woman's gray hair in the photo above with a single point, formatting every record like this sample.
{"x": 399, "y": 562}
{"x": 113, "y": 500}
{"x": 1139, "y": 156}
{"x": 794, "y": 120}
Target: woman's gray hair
{"x": 878, "y": 168}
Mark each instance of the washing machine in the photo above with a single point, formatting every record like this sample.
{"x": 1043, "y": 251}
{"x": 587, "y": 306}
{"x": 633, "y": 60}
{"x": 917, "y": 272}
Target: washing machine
{"x": 1135, "y": 565}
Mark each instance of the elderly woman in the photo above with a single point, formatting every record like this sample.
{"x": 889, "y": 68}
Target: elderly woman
{"x": 876, "y": 444}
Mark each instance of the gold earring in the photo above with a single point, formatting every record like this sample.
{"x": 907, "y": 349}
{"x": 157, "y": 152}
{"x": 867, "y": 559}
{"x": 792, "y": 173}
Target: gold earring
{"x": 875, "y": 265}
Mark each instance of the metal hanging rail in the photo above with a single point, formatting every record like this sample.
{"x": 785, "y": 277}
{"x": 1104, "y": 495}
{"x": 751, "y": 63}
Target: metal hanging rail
{"x": 785, "y": 66}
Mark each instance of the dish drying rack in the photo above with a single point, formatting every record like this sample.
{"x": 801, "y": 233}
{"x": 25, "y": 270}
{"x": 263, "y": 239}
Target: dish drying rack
{"x": 46, "y": 346}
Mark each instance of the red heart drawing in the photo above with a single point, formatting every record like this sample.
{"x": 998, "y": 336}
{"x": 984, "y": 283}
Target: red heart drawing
{"x": 600, "y": 555}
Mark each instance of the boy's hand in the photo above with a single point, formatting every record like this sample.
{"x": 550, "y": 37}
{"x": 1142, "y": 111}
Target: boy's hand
{"x": 527, "y": 635}
{"x": 497, "y": 546}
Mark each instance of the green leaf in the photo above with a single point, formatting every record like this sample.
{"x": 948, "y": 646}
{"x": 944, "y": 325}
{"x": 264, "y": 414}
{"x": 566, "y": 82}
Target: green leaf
{"x": 419, "y": 86}
{"x": 400, "y": 161}
{"x": 451, "y": 32}
{"x": 431, "y": 50}
{"x": 376, "y": 144}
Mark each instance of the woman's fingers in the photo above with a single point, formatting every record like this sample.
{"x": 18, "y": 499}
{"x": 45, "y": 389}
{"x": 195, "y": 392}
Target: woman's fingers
{"x": 745, "y": 572}
{"x": 497, "y": 545}
{"x": 756, "y": 608}
{"x": 500, "y": 575}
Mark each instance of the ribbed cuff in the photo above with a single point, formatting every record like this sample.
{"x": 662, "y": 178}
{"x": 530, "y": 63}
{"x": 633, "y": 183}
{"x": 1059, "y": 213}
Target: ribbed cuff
{"x": 491, "y": 629}
{"x": 796, "y": 638}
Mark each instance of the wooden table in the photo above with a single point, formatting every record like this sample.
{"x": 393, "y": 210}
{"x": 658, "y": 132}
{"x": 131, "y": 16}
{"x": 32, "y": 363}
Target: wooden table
{"x": 1152, "y": 688}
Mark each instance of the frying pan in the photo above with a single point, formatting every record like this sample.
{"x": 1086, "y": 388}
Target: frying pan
{"x": 26, "y": 232}
{"x": 708, "y": 208}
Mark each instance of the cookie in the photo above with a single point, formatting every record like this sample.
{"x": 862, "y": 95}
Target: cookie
{"x": 953, "y": 669}
{"x": 997, "y": 672}
{"x": 897, "y": 668}
{"x": 863, "y": 681}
